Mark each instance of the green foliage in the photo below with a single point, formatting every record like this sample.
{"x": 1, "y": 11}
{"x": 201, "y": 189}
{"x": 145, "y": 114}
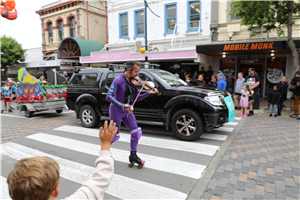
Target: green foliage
{"x": 13, "y": 53}
{"x": 271, "y": 14}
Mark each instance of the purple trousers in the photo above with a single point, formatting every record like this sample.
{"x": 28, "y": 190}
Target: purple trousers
{"x": 118, "y": 115}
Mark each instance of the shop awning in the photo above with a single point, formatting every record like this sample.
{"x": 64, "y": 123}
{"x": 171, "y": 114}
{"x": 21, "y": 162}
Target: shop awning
{"x": 246, "y": 47}
{"x": 71, "y": 47}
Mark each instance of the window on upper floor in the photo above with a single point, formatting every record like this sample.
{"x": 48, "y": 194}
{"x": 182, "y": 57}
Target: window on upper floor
{"x": 139, "y": 23}
{"x": 123, "y": 25}
{"x": 233, "y": 16}
{"x": 61, "y": 30}
{"x": 72, "y": 27}
{"x": 170, "y": 17}
{"x": 194, "y": 16}
{"x": 50, "y": 31}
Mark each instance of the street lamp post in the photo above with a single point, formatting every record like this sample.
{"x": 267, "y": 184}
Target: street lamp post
{"x": 146, "y": 43}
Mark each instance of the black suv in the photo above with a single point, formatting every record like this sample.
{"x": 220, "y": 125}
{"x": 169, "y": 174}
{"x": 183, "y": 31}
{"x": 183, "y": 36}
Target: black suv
{"x": 188, "y": 110}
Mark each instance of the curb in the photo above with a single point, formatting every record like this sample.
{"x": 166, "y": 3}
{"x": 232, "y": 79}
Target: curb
{"x": 202, "y": 183}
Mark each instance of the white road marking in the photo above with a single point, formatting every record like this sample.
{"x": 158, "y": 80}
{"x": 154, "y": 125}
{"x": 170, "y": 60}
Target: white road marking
{"x": 153, "y": 162}
{"x": 4, "y": 192}
{"x": 66, "y": 112}
{"x": 231, "y": 123}
{"x": 15, "y": 116}
{"x": 213, "y": 136}
{"x": 237, "y": 118}
{"x": 150, "y": 141}
{"x": 120, "y": 186}
{"x": 224, "y": 129}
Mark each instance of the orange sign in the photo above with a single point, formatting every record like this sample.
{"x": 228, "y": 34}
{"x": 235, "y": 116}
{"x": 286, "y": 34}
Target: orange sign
{"x": 248, "y": 46}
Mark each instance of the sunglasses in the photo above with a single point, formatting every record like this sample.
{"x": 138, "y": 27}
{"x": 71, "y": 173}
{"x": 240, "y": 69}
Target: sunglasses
{"x": 249, "y": 71}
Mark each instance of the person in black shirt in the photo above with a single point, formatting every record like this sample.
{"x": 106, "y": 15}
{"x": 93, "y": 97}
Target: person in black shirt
{"x": 199, "y": 82}
{"x": 253, "y": 80}
{"x": 296, "y": 97}
{"x": 282, "y": 88}
{"x": 213, "y": 82}
{"x": 273, "y": 100}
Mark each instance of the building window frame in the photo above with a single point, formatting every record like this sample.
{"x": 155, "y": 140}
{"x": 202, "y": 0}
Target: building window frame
{"x": 234, "y": 18}
{"x": 166, "y": 18}
{"x": 50, "y": 31}
{"x": 72, "y": 27}
{"x": 189, "y": 29}
{"x": 60, "y": 29}
{"x": 121, "y": 26}
{"x": 135, "y": 24}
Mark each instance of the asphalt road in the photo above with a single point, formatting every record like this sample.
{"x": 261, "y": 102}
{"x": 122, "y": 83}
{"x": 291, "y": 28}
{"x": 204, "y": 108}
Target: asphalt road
{"x": 172, "y": 169}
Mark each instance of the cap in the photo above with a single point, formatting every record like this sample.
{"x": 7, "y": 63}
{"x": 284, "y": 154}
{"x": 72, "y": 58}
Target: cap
{"x": 252, "y": 69}
{"x": 220, "y": 74}
{"x": 4, "y": 82}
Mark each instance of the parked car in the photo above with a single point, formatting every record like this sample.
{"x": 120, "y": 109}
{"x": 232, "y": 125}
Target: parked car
{"x": 187, "y": 110}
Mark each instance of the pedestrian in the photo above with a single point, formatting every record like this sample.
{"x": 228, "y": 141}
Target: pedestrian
{"x": 245, "y": 94}
{"x": 282, "y": 87}
{"x": 13, "y": 92}
{"x": 228, "y": 81}
{"x": 3, "y": 84}
{"x": 187, "y": 80}
{"x": 253, "y": 80}
{"x": 238, "y": 88}
{"x": 7, "y": 99}
{"x": 296, "y": 97}
{"x": 65, "y": 74}
{"x": 213, "y": 82}
{"x": 199, "y": 82}
{"x": 222, "y": 82}
{"x": 121, "y": 96}
{"x": 292, "y": 88}
{"x": 208, "y": 74}
{"x": 273, "y": 100}
{"x": 38, "y": 177}
{"x": 202, "y": 71}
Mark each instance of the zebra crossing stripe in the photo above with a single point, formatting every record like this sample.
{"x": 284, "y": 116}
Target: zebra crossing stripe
{"x": 153, "y": 162}
{"x": 213, "y": 136}
{"x": 231, "y": 123}
{"x": 224, "y": 129}
{"x": 4, "y": 192}
{"x": 193, "y": 147}
{"x": 237, "y": 118}
{"x": 121, "y": 187}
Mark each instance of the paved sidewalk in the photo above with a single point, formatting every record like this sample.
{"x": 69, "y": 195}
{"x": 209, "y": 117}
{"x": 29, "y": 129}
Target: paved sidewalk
{"x": 262, "y": 162}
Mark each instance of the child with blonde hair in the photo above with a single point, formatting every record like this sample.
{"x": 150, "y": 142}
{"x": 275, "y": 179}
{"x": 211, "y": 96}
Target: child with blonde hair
{"x": 246, "y": 93}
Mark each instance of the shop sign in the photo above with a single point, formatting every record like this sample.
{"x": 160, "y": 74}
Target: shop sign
{"x": 65, "y": 64}
{"x": 248, "y": 46}
{"x": 275, "y": 75}
{"x": 127, "y": 55}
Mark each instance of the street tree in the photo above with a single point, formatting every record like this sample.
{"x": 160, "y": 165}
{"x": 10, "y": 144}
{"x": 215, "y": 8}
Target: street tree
{"x": 273, "y": 15}
{"x": 12, "y": 53}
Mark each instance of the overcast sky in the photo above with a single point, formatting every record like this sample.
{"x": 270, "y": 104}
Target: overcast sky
{"x": 26, "y": 29}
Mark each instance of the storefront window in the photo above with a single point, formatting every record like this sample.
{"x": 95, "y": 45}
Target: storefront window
{"x": 228, "y": 66}
{"x": 275, "y": 71}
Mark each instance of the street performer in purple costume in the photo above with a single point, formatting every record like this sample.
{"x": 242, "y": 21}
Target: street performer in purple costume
{"x": 121, "y": 95}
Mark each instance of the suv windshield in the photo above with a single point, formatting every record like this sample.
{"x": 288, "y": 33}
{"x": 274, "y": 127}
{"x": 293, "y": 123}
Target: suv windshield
{"x": 169, "y": 78}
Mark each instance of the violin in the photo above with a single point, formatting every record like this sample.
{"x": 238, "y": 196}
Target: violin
{"x": 137, "y": 81}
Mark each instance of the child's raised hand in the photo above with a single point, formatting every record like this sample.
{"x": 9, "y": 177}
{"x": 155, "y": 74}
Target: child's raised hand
{"x": 107, "y": 134}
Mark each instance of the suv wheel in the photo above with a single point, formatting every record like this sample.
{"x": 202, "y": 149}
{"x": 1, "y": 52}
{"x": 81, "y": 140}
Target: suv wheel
{"x": 187, "y": 125}
{"x": 88, "y": 116}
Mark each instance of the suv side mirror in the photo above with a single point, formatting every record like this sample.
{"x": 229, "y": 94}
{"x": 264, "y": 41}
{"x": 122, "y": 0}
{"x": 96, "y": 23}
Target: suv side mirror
{"x": 151, "y": 84}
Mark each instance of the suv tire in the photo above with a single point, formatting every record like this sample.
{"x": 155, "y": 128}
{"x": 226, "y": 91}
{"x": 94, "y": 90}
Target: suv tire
{"x": 88, "y": 116}
{"x": 187, "y": 125}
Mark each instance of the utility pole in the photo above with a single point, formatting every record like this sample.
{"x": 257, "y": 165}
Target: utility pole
{"x": 146, "y": 42}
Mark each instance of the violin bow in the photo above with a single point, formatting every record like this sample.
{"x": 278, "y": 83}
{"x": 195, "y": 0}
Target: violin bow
{"x": 138, "y": 95}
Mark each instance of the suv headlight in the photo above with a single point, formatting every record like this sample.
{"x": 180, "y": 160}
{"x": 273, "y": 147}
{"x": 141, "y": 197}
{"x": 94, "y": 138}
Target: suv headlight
{"x": 215, "y": 100}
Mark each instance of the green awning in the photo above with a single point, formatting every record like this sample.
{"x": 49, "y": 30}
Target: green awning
{"x": 71, "y": 47}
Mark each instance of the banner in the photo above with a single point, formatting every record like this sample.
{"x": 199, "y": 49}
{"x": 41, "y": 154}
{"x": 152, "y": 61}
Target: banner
{"x": 231, "y": 109}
